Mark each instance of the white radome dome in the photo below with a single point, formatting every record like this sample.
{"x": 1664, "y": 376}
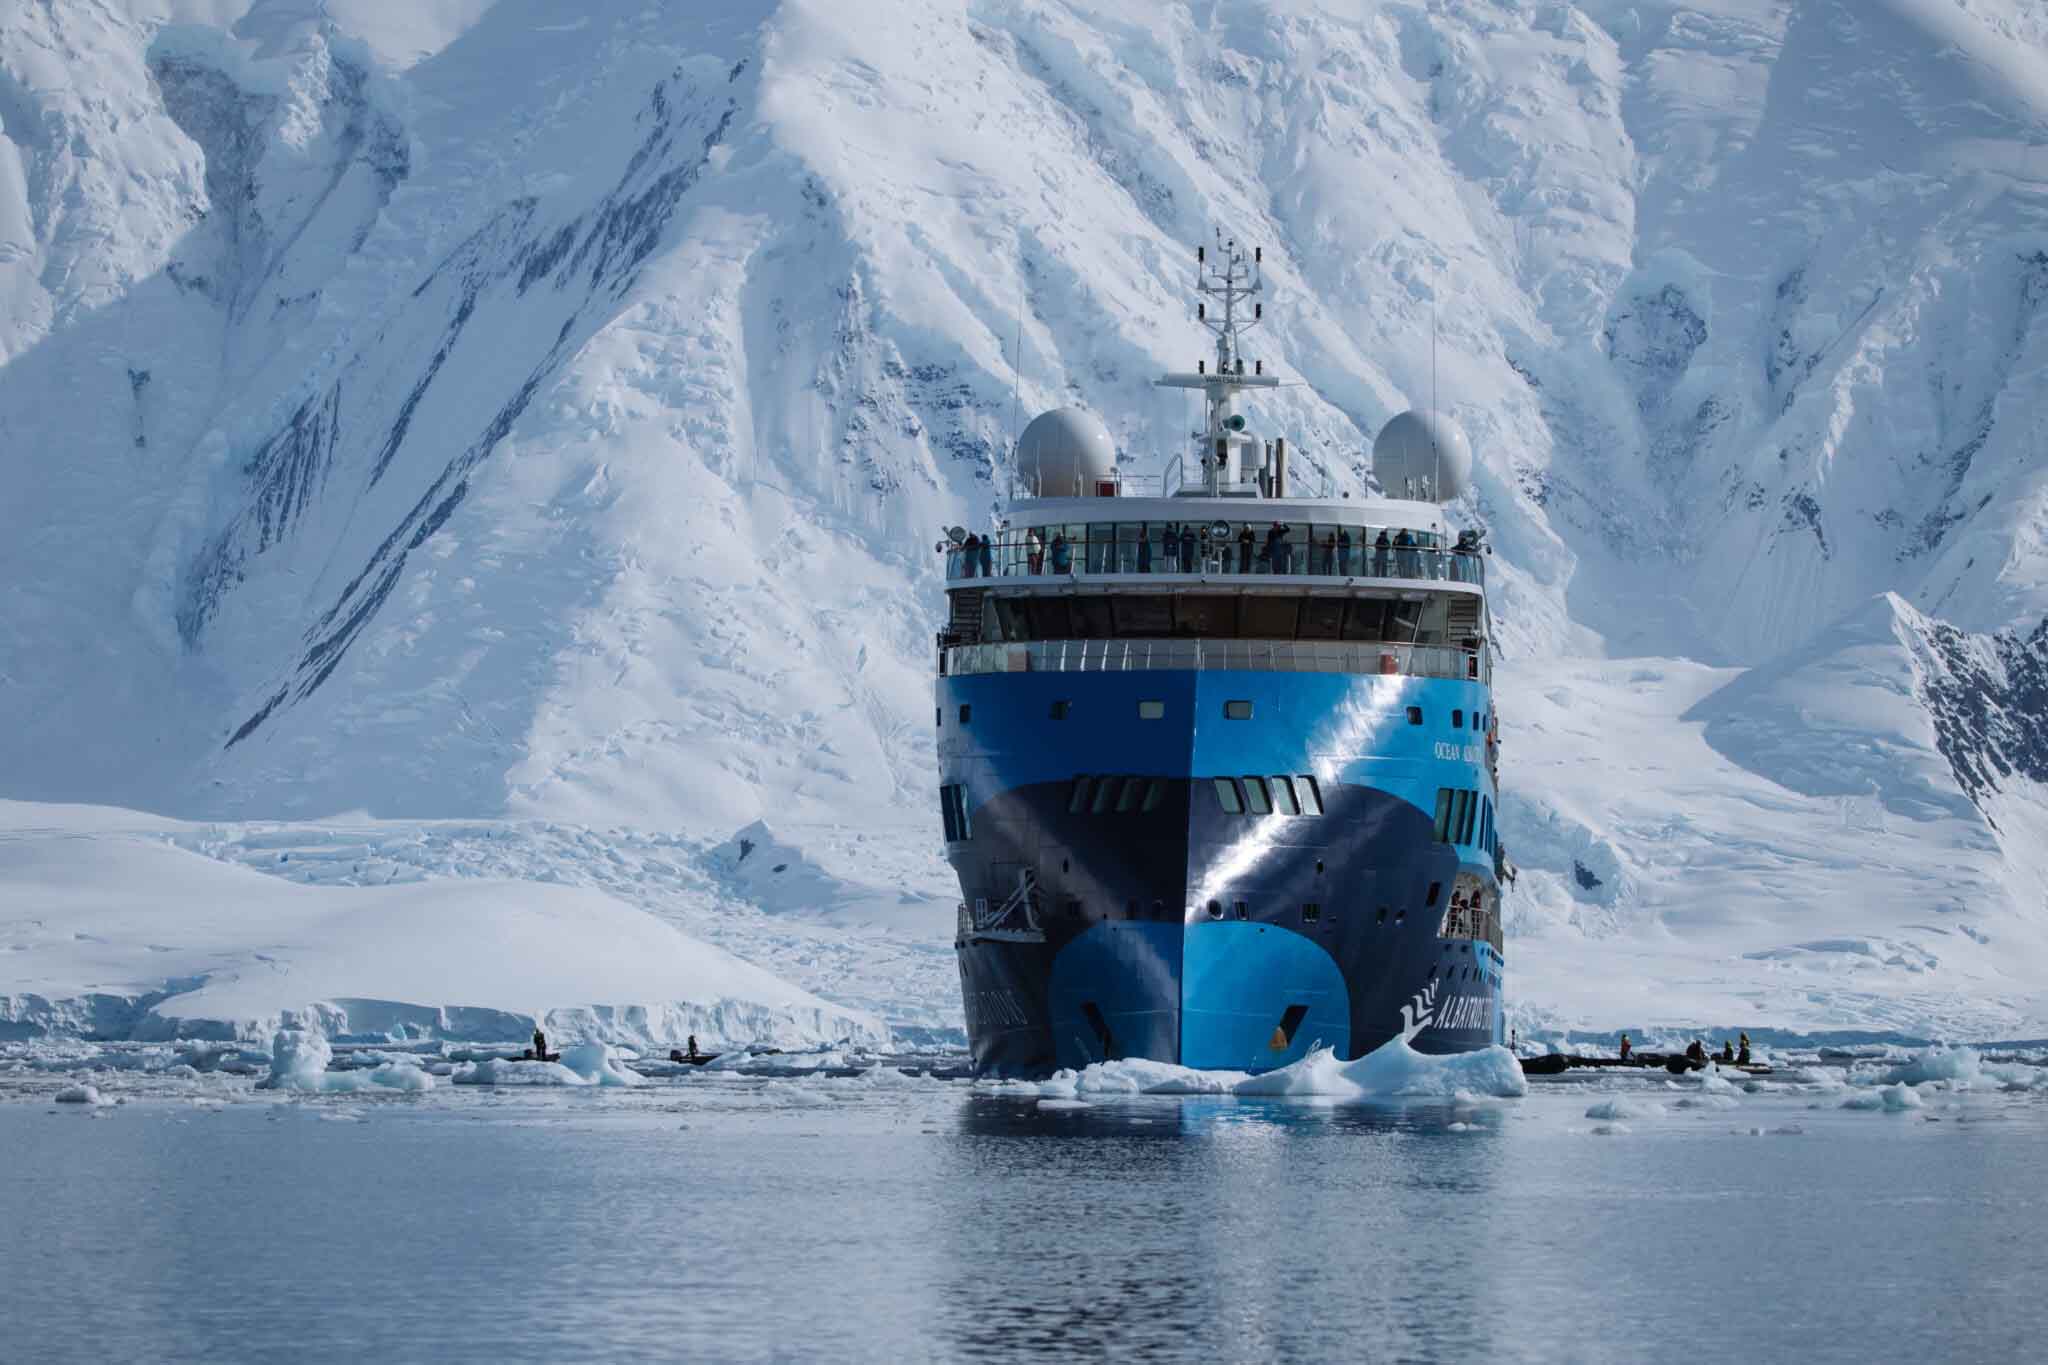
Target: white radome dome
{"x": 1064, "y": 453}
{"x": 1422, "y": 455}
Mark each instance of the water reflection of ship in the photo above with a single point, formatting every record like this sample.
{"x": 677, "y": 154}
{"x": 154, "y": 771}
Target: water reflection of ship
{"x": 1214, "y": 793}
{"x": 1253, "y": 1230}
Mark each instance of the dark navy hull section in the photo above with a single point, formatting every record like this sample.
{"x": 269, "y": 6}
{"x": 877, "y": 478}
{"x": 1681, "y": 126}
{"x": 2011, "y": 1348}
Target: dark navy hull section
{"x": 1185, "y": 933}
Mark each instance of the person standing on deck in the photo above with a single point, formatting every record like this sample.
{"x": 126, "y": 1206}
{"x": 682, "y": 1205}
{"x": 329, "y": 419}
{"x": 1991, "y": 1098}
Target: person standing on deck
{"x": 1742, "y": 1057}
{"x": 1187, "y": 549}
{"x": 1034, "y": 552}
{"x": 1144, "y": 548}
{"x": 1380, "y": 555}
{"x": 1626, "y": 1047}
{"x": 1245, "y": 541}
{"x": 1062, "y": 554}
{"x": 1344, "y": 551}
{"x": 1408, "y": 562}
{"x": 988, "y": 555}
{"x": 970, "y": 555}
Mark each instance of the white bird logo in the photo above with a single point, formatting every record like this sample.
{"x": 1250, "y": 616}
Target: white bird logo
{"x": 1417, "y": 1013}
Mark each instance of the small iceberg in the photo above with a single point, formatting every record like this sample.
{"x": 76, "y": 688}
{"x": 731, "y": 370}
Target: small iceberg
{"x": 1393, "y": 1071}
{"x": 299, "y": 1060}
{"x": 585, "y": 1064}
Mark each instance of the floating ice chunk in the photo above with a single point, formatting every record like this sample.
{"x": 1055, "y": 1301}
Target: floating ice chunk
{"x": 1892, "y": 1098}
{"x": 1938, "y": 1064}
{"x": 1611, "y": 1130}
{"x": 298, "y": 1061}
{"x": 1137, "y": 1076}
{"x": 581, "y": 1065}
{"x": 81, "y": 1094}
{"x": 1064, "y": 1104}
{"x": 1628, "y": 1109}
{"x": 1707, "y": 1102}
{"x": 1394, "y": 1069}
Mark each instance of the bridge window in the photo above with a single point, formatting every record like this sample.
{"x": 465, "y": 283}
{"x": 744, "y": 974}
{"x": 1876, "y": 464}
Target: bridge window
{"x": 1441, "y": 831}
{"x": 1215, "y": 909}
{"x": 1127, "y": 800}
{"x": 1237, "y": 710}
{"x": 1151, "y": 710}
{"x": 1311, "y": 796}
{"x": 1244, "y": 911}
{"x": 1078, "y": 800}
{"x": 1228, "y": 796}
{"x": 1283, "y": 797}
{"x": 1255, "y": 798}
{"x": 1155, "y": 792}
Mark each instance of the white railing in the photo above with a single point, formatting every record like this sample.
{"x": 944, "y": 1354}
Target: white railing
{"x": 1259, "y": 656}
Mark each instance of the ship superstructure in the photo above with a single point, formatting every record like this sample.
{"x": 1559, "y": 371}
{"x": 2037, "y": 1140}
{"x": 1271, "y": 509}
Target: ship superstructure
{"x": 1218, "y": 760}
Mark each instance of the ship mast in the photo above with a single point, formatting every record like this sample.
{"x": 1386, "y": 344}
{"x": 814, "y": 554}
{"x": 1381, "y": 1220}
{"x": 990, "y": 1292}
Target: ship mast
{"x": 1228, "y": 455}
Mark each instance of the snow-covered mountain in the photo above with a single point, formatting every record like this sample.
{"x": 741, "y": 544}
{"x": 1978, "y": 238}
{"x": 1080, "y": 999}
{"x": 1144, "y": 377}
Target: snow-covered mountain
{"x": 508, "y": 412}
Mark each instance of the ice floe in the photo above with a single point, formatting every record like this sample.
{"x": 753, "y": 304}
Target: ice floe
{"x": 585, "y": 1064}
{"x": 1392, "y": 1071}
{"x": 299, "y": 1061}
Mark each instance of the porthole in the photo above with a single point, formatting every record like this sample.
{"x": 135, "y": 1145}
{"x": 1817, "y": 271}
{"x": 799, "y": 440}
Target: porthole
{"x": 1215, "y": 909}
{"x": 1415, "y": 715}
{"x": 1457, "y": 719}
{"x": 1151, "y": 710}
{"x": 1237, "y": 710}
{"x": 966, "y": 713}
{"x": 1243, "y": 910}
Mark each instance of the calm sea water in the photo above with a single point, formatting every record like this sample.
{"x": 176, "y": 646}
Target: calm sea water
{"x": 787, "y": 1220}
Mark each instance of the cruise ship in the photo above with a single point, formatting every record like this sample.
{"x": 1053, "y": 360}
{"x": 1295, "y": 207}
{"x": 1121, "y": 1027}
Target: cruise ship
{"x": 1218, "y": 758}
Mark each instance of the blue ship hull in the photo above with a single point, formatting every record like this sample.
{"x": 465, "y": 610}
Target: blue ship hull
{"x": 1189, "y": 934}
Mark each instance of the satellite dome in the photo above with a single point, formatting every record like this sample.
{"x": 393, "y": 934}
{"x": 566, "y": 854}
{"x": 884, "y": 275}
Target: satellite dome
{"x": 1422, "y": 455}
{"x": 1063, "y": 453}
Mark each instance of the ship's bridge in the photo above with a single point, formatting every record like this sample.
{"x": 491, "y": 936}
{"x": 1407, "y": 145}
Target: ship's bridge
{"x": 1120, "y": 582}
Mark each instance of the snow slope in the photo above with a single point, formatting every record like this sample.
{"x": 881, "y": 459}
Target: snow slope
{"x": 123, "y": 935}
{"x": 462, "y": 413}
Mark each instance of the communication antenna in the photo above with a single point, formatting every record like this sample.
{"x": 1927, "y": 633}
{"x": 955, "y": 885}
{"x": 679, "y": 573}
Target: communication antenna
{"x": 1017, "y": 374}
{"x": 1436, "y": 473}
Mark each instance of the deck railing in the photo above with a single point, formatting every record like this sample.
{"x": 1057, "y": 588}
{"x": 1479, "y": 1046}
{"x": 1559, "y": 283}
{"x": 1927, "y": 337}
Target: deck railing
{"x": 1259, "y": 656}
{"x": 1093, "y": 551}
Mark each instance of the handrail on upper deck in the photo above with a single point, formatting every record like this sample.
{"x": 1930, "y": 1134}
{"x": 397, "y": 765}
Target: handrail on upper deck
{"x": 1009, "y": 555}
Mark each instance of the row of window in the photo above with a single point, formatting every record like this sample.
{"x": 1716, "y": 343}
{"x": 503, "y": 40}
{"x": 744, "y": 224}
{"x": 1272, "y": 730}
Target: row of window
{"x": 1232, "y": 710}
{"x": 1460, "y": 815}
{"x": 1281, "y": 795}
